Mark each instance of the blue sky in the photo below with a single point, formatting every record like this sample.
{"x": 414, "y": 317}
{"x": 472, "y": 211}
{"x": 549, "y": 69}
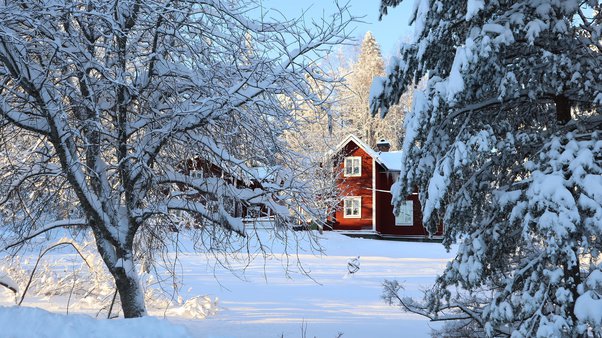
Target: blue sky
{"x": 388, "y": 32}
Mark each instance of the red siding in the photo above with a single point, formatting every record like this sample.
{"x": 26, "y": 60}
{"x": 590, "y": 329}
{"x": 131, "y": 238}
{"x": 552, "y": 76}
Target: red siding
{"x": 362, "y": 186}
{"x": 356, "y": 186}
{"x": 385, "y": 220}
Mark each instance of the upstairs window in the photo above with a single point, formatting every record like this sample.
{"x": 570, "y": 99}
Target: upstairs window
{"x": 353, "y": 166}
{"x": 352, "y": 207}
{"x": 406, "y": 214}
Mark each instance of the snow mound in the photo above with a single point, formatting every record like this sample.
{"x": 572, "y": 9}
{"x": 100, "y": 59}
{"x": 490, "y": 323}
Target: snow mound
{"x": 8, "y": 282}
{"x": 17, "y": 322}
{"x": 196, "y": 308}
{"x": 588, "y": 308}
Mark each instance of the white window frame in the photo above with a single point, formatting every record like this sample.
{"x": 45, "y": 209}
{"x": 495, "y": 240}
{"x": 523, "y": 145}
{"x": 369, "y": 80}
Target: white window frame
{"x": 353, "y": 163}
{"x": 346, "y": 207}
{"x": 406, "y": 214}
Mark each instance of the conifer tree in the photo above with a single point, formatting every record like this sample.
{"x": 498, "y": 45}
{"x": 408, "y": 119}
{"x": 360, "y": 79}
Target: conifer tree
{"x": 354, "y": 98}
{"x": 504, "y": 144}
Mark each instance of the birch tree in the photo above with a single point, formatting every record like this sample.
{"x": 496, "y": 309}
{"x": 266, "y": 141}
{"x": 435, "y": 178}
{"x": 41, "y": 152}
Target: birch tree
{"x": 504, "y": 144}
{"x": 122, "y": 117}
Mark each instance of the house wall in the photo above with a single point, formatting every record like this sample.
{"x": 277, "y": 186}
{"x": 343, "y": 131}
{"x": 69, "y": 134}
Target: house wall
{"x": 356, "y": 186}
{"x": 385, "y": 219}
{"x": 210, "y": 170}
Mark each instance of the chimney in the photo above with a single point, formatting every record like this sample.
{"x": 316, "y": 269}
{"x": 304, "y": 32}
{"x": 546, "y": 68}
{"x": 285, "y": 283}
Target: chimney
{"x": 383, "y": 145}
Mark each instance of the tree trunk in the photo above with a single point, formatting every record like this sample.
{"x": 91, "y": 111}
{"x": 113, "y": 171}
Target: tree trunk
{"x": 130, "y": 291}
{"x": 563, "y": 109}
{"x": 572, "y": 275}
{"x": 120, "y": 263}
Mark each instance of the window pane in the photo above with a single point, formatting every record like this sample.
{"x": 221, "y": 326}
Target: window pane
{"x": 352, "y": 207}
{"x": 353, "y": 166}
{"x": 406, "y": 214}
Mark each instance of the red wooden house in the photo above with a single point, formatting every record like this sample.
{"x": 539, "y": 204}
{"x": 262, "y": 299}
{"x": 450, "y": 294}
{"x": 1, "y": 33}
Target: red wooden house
{"x": 259, "y": 215}
{"x": 365, "y": 183}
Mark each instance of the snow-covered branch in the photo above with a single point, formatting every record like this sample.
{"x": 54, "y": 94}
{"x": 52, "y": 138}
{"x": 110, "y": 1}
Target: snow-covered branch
{"x": 122, "y": 95}
{"x": 66, "y": 223}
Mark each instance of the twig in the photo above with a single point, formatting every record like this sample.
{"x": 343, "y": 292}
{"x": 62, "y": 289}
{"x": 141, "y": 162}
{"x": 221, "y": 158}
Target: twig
{"x": 9, "y": 287}
{"x": 72, "y": 223}
{"x": 38, "y": 262}
{"x": 71, "y": 293}
{"x": 112, "y": 303}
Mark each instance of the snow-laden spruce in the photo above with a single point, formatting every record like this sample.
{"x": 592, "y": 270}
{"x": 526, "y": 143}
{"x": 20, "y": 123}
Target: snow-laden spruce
{"x": 353, "y": 105}
{"x": 135, "y": 118}
{"x": 504, "y": 145}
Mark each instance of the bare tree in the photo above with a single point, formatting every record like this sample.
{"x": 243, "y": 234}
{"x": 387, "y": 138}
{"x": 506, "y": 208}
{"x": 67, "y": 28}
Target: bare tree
{"x": 104, "y": 102}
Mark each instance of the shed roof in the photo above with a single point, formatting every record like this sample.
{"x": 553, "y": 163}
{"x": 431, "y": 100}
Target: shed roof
{"x": 391, "y": 160}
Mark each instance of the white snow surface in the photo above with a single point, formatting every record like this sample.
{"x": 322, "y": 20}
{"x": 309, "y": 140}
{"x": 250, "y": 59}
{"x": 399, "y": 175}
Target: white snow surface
{"x": 261, "y": 300}
{"x": 26, "y": 322}
{"x": 473, "y": 7}
{"x": 6, "y": 281}
{"x": 391, "y": 159}
{"x": 588, "y": 308}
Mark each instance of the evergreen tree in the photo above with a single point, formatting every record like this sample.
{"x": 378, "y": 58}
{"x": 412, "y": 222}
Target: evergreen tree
{"x": 354, "y": 98}
{"x": 504, "y": 144}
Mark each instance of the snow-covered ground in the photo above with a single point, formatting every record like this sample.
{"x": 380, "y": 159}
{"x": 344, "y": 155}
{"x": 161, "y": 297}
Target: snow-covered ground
{"x": 265, "y": 301}
{"x": 26, "y": 322}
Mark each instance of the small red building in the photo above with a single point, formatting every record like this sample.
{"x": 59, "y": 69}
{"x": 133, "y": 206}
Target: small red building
{"x": 365, "y": 184}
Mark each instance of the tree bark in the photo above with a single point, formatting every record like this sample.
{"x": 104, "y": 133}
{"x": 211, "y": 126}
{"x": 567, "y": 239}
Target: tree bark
{"x": 130, "y": 291}
{"x": 563, "y": 109}
{"x": 120, "y": 263}
{"x": 572, "y": 275}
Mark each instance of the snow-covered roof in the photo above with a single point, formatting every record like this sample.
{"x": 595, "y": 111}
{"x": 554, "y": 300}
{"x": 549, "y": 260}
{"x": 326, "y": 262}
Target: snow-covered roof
{"x": 357, "y": 141}
{"x": 391, "y": 160}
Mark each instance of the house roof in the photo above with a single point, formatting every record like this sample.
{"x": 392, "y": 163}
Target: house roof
{"x": 391, "y": 160}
